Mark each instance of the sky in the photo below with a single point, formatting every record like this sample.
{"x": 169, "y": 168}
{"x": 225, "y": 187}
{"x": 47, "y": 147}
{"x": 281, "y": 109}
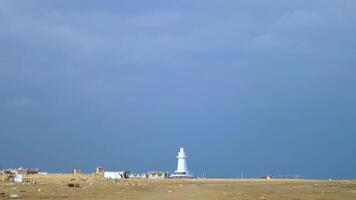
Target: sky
{"x": 263, "y": 87}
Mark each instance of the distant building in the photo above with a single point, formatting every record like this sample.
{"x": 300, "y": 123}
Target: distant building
{"x": 76, "y": 171}
{"x": 100, "y": 170}
{"x": 266, "y": 177}
{"x": 157, "y": 175}
{"x": 138, "y": 175}
{"x": 32, "y": 171}
{"x": 11, "y": 176}
{"x": 18, "y": 178}
{"x": 116, "y": 175}
{"x": 22, "y": 170}
{"x": 6, "y": 175}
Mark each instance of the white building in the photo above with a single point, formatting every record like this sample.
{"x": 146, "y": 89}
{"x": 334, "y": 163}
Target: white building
{"x": 157, "y": 175}
{"x": 18, "y": 178}
{"x": 115, "y": 175}
{"x": 182, "y": 169}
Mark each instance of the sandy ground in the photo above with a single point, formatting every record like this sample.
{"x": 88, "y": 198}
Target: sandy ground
{"x": 54, "y": 186}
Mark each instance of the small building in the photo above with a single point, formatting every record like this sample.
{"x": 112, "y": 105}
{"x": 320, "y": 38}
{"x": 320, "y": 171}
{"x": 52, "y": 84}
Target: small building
{"x": 6, "y": 175}
{"x": 138, "y": 175}
{"x": 32, "y": 171}
{"x": 18, "y": 178}
{"x": 266, "y": 177}
{"x": 76, "y": 171}
{"x": 116, "y": 175}
{"x": 157, "y": 175}
{"x": 11, "y": 176}
{"x": 100, "y": 170}
{"x": 143, "y": 175}
{"x": 22, "y": 170}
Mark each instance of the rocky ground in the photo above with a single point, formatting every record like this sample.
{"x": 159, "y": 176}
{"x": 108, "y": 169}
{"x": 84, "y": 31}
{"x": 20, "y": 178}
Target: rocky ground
{"x": 90, "y": 186}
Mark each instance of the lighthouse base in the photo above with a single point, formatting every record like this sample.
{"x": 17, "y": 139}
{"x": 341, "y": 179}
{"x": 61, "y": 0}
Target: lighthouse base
{"x": 181, "y": 175}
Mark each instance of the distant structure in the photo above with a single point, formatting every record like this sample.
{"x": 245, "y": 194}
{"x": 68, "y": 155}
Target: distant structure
{"x": 117, "y": 175}
{"x": 22, "y": 170}
{"x": 182, "y": 169}
{"x": 11, "y": 176}
{"x": 265, "y": 177}
{"x": 138, "y": 175}
{"x": 157, "y": 175}
{"x": 100, "y": 170}
{"x": 76, "y": 171}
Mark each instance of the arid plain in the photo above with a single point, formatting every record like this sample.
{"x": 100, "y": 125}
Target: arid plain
{"x": 91, "y": 186}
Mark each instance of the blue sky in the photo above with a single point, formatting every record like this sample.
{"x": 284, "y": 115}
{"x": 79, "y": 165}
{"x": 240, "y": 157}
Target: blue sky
{"x": 263, "y": 87}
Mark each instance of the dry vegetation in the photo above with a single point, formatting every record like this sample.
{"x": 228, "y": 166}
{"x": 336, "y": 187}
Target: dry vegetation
{"x": 55, "y": 186}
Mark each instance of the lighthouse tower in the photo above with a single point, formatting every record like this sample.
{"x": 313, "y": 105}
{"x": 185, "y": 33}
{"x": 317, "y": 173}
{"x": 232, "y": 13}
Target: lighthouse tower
{"x": 182, "y": 164}
{"x": 182, "y": 170}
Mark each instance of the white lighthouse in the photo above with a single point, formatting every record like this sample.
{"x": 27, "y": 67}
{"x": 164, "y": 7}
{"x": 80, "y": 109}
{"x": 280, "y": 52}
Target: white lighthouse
{"x": 182, "y": 170}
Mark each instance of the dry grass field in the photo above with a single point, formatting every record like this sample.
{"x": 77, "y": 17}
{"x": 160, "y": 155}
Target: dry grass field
{"x": 55, "y": 186}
